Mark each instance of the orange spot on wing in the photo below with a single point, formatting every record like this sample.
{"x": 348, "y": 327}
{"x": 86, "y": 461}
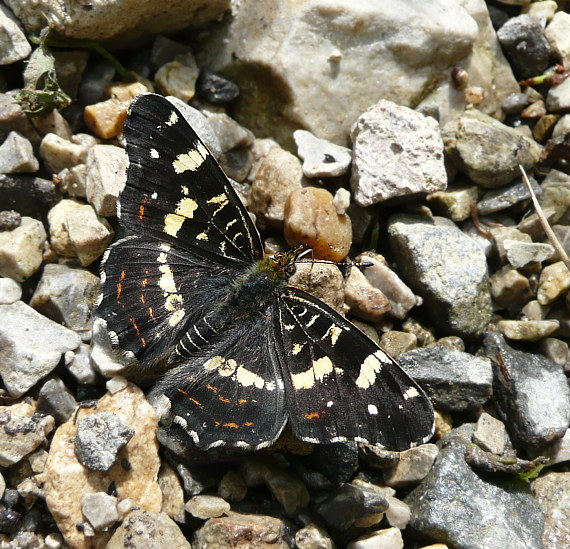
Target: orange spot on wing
{"x": 143, "y": 340}
{"x": 141, "y": 212}
{"x": 144, "y": 282}
{"x": 248, "y": 423}
{"x": 217, "y": 423}
{"x": 150, "y": 312}
{"x": 242, "y": 401}
{"x": 223, "y": 399}
{"x": 313, "y": 415}
{"x": 182, "y": 391}
{"x": 123, "y": 274}
{"x": 231, "y": 425}
{"x": 119, "y": 291}
{"x": 141, "y": 298}
{"x": 213, "y": 389}
{"x": 195, "y": 402}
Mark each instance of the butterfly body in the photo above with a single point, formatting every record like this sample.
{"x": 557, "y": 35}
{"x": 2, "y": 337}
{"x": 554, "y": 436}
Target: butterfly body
{"x": 246, "y": 353}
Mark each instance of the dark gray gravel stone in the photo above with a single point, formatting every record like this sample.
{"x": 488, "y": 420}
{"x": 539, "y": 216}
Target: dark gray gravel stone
{"x": 525, "y": 45}
{"x": 28, "y": 195}
{"x": 454, "y": 381}
{"x": 100, "y": 437}
{"x": 531, "y": 393}
{"x": 456, "y": 506}
{"x": 215, "y": 88}
{"x": 445, "y": 267}
{"x": 338, "y": 462}
{"x": 499, "y": 199}
{"x": 56, "y": 400}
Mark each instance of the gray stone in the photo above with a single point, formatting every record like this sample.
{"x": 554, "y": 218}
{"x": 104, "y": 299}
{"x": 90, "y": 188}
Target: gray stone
{"x": 312, "y": 537}
{"x": 206, "y": 507}
{"x": 73, "y": 180}
{"x": 525, "y": 45}
{"x": 79, "y": 364}
{"x": 454, "y": 380}
{"x": 106, "y": 177}
{"x": 456, "y": 203}
{"x": 53, "y": 122}
{"x": 320, "y": 157}
{"x": 490, "y": 434}
{"x": 558, "y": 35}
{"x": 100, "y": 509}
{"x": 527, "y": 330}
{"x": 446, "y": 268}
{"x": 229, "y": 133}
{"x": 556, "y": 350}
{"x": 232, "y": 487}
{"x": 13, "y": 44}
{"x": 58, "y": 153}
{"x": 99, "y": 439}
{"x": 13, "y": 118}
{"x": 237, "y": 530}
{"x": 30, "y": 196}
{"x": 10, "y": 291}
{"x": 562, "y": 126}
{"x": 558, "y": 98}
{"x": 531, "y": 394}
{"x": 486, "y": 150}
{"x": 501, "y": 234}
{"x": 504, "y": 197}
{"x": 67, "y": 295}
{"x": 31, "y": 346}
{"x": 510, "y": 289}
{"x": 414, "y": 464}
{"x": 397, "y": 152}
{"x": 456, "y": 506}
{"x": 521, "y": 254}
{"x": 177, "y": 78}
{"x": 17, "y": 155}
{"x": 145, "y": 530}
{"x": 557, "y": 451}
{"x": 364, "y": 300}
{"x": 172, "y": 493}
{"x": 552, "y": 492}
{"x": 89, "y": 234}
{"x": 21, "y": 432}
{"x": 515, "y": 103}
{"x": 56, "y": 400}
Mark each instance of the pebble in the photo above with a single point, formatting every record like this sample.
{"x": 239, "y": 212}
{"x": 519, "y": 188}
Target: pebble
{"x": 553, "y": 282}
{"x": 66, "y": 295}
{"x": 557, "y": 451}
{"x": 80, "y": 366}
{"x": 276, "y": 175}
{"x": 56, "y": 400}
{"x": 531, "y": 394}
{"x": 106, "y": 176}
{"x": 10, "y": 291}
{"x": 454, "y": 380}
{"x": 341, "y": 201}
{"x": 172, "y": 493}
{"x": 311, "y": 218}
{"x": 533, "y": 310}
{"x": 514, "y": 103}
{"x": 232, "y": 487}
{"x": 413, "y": 466}
{"x": 397, "y": 152}
{"x": 147, "y": 530}
{"x": 320, "y": 157}
{"x": 58, "y": 153}
{"x": 240, "y": 530}
{"x": 21, "y": 249}
{"x": 456, "y": 202}
{"x": 313, "y": 537}
{"x": 486, "y": 150}
{"x": 29, "y": 195}
{"x": 444, "y": 505}
{"x": 229, "y": 133}
{"x": 215, "y": 89}
{"x": 21, "y": 433}
{"x": 544, "y": 127}
{"x": 562, "y": 127}
{"x": 205, "y": 507}
{"x": 100, "y": 510}
{"x": 58, "y": 227}
{"x": 527, "y": 330}
{"x": 99, "y": 439}
{"x": 558, "y": 35}
{"x": 558, "y": 98}
{"x": 502, "y": 233}
{"x": 37, "y": 460}
{"x": 389, "y": 538}
{"x": 534, "y": 110}
{"x": 556, "y": 194}
{"x": 489, "y": 434}
{"x": 32, "y": 346}
{"x": 9, "y": 220}
{"x": 17, "y": 155}
{"x": 66, "y": 481}
{"x": 555, "y": 350}
{"x": 398, "y": 513}
{"x": 322, "y": 280}
{"x": 506, "y": 196}
{"x": 395, "y": 342}
{"x": 178, "y": 77}
{"x": 552, "y": 491}
{"x": 13, "y": 43}
{"x": 521, "y": 254}
{"x": 510, "y": 289}
{"x": 106, "y": 118}
{"x": 542, "y": 10}
{"x": 116, "y": 384}
{"x": 364, "y": 300}
{"x": 337, "y": 462}
{"x": 380, "y": 276}
{"x": 433, "y": 256}
{"x": 525, "y": 46}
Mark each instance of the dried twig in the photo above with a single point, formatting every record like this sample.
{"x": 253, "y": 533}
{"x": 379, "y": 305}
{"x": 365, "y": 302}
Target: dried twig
{"x": 544, "y": 222}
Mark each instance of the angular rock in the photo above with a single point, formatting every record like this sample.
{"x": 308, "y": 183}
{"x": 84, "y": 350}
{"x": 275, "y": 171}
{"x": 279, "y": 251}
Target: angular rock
{"x": 456, "y": 203}
{"x": 321, "y": 158}
{"x": 10, "y": 291}
{"x": 504, "y": 197}
{"x": 521, "y": 254}
{"x": 365, "y": 301}
{"x": 389, "y": 538}
{"x": 527, "y": 330}
{"x": 31, "y": 346}
{"x": 17, "y": 155}
{"x": 414, "y": 464}
{"x": 397, "y": 152}
{"x": 558, "y": 98}
{"x": 56, "y": 400}
{"x": 21, "y": 250}
{"x": 490, "y": 434}
{"x": 553, "y": 282}
{"x": 178, "y": 77}
{"x": 100, "y": 509}
{"x": 232, "y": 487}
{"x": 145, "y": 530}
{"x": 89, "y": 234}
{"x": 312, "y": 537}
{"x": 80, "y": 365}
{"x": 553, "y": 494}
{"x": 13, "y": 44}
{"x": 215, "y": 89}
{"x": 531, "y": 393}
{"x": 58, "y": 218}
{"x": 58, "y": 153}
{"x": 558, "y": 35}
{"x": 510, "y": 289}
{"x": 446, "y": 268}
{"x": 454, "y": 380}
{"x": 486, "y": 150}
{"x": 172, "y": 493}
{"x": 395, "y": 342}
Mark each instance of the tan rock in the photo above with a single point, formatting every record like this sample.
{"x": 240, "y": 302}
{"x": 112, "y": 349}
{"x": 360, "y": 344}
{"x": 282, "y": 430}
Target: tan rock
{"x": 106, "y": 118}
{"x": 365, "y": 301}
{"x": 554, "y": 281}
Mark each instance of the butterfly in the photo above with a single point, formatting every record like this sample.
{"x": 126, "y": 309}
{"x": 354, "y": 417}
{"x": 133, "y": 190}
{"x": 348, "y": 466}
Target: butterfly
{"x": 244, "y": 352}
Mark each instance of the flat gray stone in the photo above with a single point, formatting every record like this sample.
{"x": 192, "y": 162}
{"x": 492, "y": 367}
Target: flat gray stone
{"x": 490, "y": 434}
{"x": 100, "y": 509}
{"x": 320, "y": 157}
{"x": 552, "y": 492}
{"x": 56, "y": 400}
{"x": 17, "y": 155}
{"x": 504, "y": 197}
{"x": 445, "y": 267}
{"x": 520, "y": 254}
{"x": 31, "y": 346}
{"x": 397, "y": 152}
{"x": 13, "y": 43}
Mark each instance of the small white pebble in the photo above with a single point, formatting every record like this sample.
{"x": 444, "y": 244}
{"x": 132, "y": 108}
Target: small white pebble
{"x": 341, "y": 201}
{"x": 116, "y": 384}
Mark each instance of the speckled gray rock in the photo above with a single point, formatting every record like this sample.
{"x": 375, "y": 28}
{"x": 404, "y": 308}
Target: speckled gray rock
{"x": 100, "y": 509}
{"x": 456, "y": 506}
{"x": 320, "y": 157}
{"x": 67, "y": 295}
{"x": 486, "y": 150}
{"x": 504, "y": 197}
{"x": 31, "y": 346}
{"x": 412, "y": 467}
{"x": 525, "y": 45}
{"x": 79, "y": 364}
{"x": 17, "y": 155}
{"x": 99, "y": 439}
{"x": 56, "y": 400}
{"x": 146, "y": 530}
{"x": 13, "y": 44}
{"x": 454, "y": 380}
{"x": 553, "y": 494}
{"x": 10, "y": 291}
{"x": 446, "y": 268}
{"x": 520, "y": 254}
{"x": 397, "y": 152}
{"x": 533, "y": 399}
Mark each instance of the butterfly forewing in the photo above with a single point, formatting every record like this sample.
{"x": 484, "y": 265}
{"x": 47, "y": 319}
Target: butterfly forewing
{"x": 340, "y": 385}
{"x": 176, "y": 191}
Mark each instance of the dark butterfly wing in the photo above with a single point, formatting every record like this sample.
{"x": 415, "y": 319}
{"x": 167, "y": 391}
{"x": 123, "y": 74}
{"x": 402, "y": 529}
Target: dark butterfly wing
{"x": 152, "y": 292}
{"x": 175, "y": 190}
{"x": 231, "y": 392}
{"x": 340, "y": 385}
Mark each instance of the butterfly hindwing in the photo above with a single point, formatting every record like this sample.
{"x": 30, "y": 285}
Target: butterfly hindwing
{"x": 231, "y": 392}
{"x": 340, "y": 385}
{"x": 176, "y": 192}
